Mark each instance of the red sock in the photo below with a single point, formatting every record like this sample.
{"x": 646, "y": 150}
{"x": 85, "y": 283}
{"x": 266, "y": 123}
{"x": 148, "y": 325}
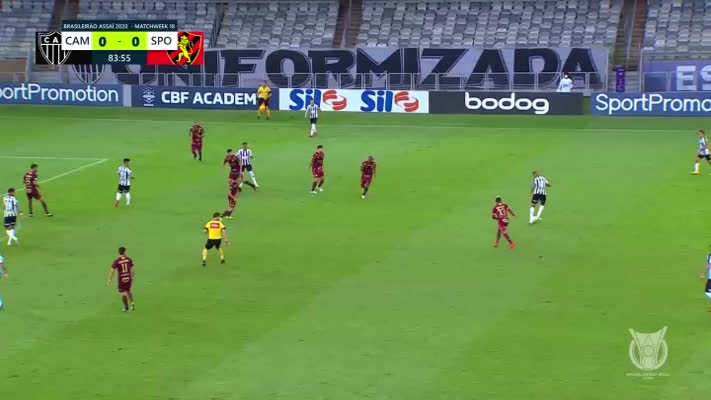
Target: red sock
{"x": 506, "y": 235}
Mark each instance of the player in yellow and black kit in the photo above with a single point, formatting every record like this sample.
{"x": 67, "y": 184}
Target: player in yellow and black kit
{"x": 264, "y": 93}
{"x": 215, "y": 232}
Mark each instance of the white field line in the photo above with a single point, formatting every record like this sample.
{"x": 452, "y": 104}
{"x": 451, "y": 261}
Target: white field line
{"x": 50, "y": 158}
{"x": 75, "y": 170}
{"x": 173, "y": 121}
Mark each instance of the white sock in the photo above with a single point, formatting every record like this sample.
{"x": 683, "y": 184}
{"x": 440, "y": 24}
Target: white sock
{"x": 696, "y": 167}
{"x": 12, "y": 234}
{"x": 540, "y": 210}
{"x": 128, "y": 199}
{"x": 251, "y": 176}
{"x": 530, "y": 218}
{"x": 118, "y": 196}
{"x": 0, "y": 301}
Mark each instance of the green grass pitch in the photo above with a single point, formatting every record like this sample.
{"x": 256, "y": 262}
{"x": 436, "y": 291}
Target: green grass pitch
{"x": 399, "y": 296}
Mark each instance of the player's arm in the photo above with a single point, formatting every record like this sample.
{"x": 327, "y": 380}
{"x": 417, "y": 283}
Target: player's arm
{"x": 706, "y": 271}
{"x": 111, "y": 276}
{"x": 512, "y": 212}
{"x": 311, "y": 164}
{"x": 269, "y": 92}
{"x": 224, "y": 235}
{"x": 133, "y": 274}
{"x": 3, "y": 270}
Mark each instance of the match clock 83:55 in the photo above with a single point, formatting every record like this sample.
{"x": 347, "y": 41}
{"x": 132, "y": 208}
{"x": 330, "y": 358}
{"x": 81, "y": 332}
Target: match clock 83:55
{"x": 118, "y": 57}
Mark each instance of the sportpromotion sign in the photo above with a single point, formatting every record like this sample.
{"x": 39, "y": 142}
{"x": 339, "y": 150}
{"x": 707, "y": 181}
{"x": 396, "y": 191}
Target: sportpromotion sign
{"x": 356, "y": 67}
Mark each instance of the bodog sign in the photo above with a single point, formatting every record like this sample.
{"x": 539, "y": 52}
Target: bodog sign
{"x": 523, "y": 103}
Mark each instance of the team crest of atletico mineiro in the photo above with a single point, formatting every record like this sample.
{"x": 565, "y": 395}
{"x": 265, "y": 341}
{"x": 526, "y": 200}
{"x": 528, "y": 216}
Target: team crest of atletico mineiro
{"x": 189, "y": 51}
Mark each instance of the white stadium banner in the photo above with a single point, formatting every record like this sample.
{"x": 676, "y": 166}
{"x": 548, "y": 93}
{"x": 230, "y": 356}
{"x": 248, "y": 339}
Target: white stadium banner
{"x": 377, "y": 101}
{"x": 361, "y": 68}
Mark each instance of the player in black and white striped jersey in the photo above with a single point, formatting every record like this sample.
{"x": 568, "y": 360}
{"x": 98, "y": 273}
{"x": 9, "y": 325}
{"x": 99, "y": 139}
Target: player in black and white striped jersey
{"x": 125, "y": 175}
{"x": 538, "y": 196}
{"x": 246, "y": 157}
{"x": 312, "y": 111}
{"x": 12, "y": 210}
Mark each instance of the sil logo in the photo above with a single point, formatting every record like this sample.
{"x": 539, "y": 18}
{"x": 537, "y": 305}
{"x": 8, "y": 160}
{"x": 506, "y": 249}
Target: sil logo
{"x": 333, "y": 99}
{"x": 407, "y": 102}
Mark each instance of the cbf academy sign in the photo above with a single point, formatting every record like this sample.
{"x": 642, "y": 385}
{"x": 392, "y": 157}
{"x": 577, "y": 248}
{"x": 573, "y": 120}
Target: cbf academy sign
{"x": 693, "y": 104}
{"x": 188, "y": 97}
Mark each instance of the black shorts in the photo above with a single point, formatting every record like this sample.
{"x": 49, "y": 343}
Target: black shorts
{"x": 247, "y": 167}
{"x": 124, "y": 188}
{"x": 539, "y": 198}
{"x": 313, "y": 120}
{"x": 10, "y": 221}
{"x": 213, "y": 243}
{"x": 708, "y": 286}
{"x": 702, "y": 156}
{"x": 263, "y": 101}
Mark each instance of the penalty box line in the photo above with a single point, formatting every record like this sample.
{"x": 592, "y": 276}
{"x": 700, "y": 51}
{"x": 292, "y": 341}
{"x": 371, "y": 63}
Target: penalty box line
{"x": 96, "y": 161}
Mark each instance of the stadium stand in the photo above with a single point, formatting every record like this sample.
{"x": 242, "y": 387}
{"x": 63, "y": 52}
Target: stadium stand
{"x": 678, "y": 29}
{"x": 498, "y": 23}
{"x": 191, "y": 15}
{"x": 279, "y": 24}
{"x": 19, "y": 20}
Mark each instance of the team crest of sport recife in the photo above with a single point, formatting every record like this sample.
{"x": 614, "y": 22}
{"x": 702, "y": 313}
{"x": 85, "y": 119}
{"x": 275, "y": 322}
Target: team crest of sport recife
{"x": 49, "y": 45}
{"x": 648, "y": 351}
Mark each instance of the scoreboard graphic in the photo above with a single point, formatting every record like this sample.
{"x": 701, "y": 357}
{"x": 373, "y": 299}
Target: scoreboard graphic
{"x": 119, "y": 42}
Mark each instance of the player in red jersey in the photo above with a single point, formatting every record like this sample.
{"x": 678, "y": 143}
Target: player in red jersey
{"x": 32, "y": 189}
{"x": 501, "y": 213}
{"x": 235, "y": 165}
{"x": 233, "y": 191}
{"x": 197, "y": 133}
{"x": 316, "y": 166}
{"x": 124, "y": 266}
{"x": 367, "y": 173}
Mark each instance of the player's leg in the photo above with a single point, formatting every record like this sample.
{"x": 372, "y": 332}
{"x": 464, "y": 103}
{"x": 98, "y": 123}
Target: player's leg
{"x": 46, "y": 209}
{"x": 208, "y": 246}
{"x": 128, "y": 196}
{"x": 124, "y": 299}
{"x": 498, "y": 237}
{"x": 320, "y": 184}
{"x": 541, "y": 207}
{"x": 222, "y": 255}
{"x": 252, "y": 177}
{"x": 259, "y": 108}
{"x": 696, "y": 165}
{"x": 531, "y": 211}
{"x": 313, "y": 185}
{"x": 29, "y": 205}
{"x": 118, "y": 196}
{"x": 266, "y": 107}
{"x": 199, "y": 151}
{"x": 130, "y": 298}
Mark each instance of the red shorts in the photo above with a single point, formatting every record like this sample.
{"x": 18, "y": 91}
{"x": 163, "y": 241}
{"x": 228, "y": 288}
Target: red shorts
{"x": 502, "y": 225}
{"x": 35, "y": 194}
{"x": 196, "y": 146}
{"x": 124, "y": 286}
{"x": 365, "y": 181}
{"x": 318, "y": 172}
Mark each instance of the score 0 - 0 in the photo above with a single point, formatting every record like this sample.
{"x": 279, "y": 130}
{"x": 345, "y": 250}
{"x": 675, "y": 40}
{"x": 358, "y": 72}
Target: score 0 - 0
{"x": 119, "y": 41}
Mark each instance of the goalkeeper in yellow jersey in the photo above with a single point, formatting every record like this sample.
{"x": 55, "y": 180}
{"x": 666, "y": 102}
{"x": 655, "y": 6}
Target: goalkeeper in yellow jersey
{"x": 264, "y": 93}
